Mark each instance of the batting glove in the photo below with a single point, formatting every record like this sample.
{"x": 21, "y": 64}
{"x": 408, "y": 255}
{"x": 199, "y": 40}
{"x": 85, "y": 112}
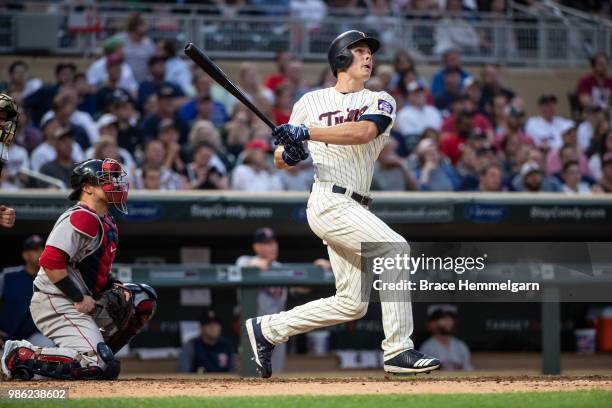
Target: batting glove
{"x": 294, "y": 153}
{"x": 286, "y": 134}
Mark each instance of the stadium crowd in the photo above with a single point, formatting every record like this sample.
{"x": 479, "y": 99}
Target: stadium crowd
{"x": 174, "y": 128}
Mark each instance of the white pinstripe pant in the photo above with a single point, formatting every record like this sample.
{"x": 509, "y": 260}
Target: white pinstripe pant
{"x": 344, "y": 225}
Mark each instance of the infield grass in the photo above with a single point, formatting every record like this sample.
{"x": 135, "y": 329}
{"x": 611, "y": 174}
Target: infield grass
{"x": 570, "y": 399}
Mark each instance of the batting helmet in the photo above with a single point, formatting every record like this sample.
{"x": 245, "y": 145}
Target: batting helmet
{"x": 108, "y": 174}
{"x": 340, "y": 55}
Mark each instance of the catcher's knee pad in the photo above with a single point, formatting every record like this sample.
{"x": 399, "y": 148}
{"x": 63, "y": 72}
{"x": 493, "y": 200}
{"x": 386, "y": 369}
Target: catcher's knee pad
{"x": 24, "y": 363}
{"x": 145, "y": 303}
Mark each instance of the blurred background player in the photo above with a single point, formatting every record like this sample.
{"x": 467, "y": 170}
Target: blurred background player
{"x": 16, "y": 294}
{"x": 453, "y": 353}
{"x": 8, "y": 125}
{"x": 208, "y": 353}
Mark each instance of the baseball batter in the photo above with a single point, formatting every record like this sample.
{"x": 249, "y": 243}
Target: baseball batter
{"x": 77, "y": 302}
{"x": 345, "y": 128}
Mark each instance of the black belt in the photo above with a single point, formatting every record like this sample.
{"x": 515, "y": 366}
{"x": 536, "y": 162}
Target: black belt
{"x": 363, "y": 200}
{"x": 35, "y": 288}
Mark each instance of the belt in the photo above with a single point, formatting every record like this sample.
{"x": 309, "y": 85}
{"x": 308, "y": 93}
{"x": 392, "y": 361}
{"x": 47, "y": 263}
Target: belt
{"x": 35, "y": 288}
{"x": 363, "y": 200}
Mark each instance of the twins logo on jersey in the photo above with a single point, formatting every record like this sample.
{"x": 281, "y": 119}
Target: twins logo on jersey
{"x": 352, "y": 115}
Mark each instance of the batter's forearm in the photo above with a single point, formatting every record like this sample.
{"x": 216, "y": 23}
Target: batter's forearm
{"x": 349, "y": 133}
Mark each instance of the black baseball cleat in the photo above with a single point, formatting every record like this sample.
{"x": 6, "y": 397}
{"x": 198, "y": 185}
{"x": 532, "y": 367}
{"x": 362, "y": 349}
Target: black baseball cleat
{"x": 411, "y": 362}
{"x": 262, "y": 348}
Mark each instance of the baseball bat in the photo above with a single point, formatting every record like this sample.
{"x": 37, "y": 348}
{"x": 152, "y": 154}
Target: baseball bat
{"x": 212, "y": 69}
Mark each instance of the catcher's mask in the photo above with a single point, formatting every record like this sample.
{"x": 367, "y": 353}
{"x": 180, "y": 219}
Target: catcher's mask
{"x": 108, "y": 174}
{"x": 9, "y": 115}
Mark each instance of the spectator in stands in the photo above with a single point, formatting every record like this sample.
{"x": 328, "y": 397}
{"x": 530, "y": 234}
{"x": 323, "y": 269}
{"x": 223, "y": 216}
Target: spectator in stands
{"x": 595, "y": 89}
{"x": 108, "y": 128}
{"x": 96, "y": 74}
{"x": 283, "y": 104}
{"x": 326, "y": 79}
{"x": 202, "y": 173}
{"x": 15, "y": 294}
{"x": 251, "y": 85}
{"x": 492, "y": 86}
{"x": 86, "y": 94}
{"x": 468, "y": 169}
{"x": 295, "y": 80}
{"x": 591, "y": 131}
{"x": 61, "y": 167}
{"x": 283, "y": 60}
{"x": 391, "y": 172}
{"x": 605, "y": 182}
{"x": 151, "y": 178}
{"x": 453, "y": 353}
{"x": 546, "y": 129}
{"x": 203, "y": 105}
{"x": 571, "y": 179}
{"x": 238, "y": 129}
{"x": 532, "y": 177}
{"x": 26, "y": 136}
{"x": 451, "y": 59}
{"x": 178, "y": 70}
{"x": 569, "y": 151}
{"x": 472, "y": 88}
{"x": 453, "y": 31}
{"x": 46, "y": 151}
{"x": 490, "y": 179}
{"x": 513, "y": 128}
{"x": 138, "y": 48}
{"x": 19, "y": 84}
{"x": 402, "y": 63}
{"x": 166, "y": 110}
{"x": 269, "y": 299}
{"x": 129, "y": 136}
{"x": 153, "y": 158}
{"x": 157, "y": 68}
{"x": 41, "y": 101}
{"x": 105, "y": 92}
{"x": 209, "y": 352}
{"x": 535, "y": 156}
{"x": 433, "y": 171}
{"x": 498, "y": 114}
{"x": 451, "y": 142}
{"x": 417, "y": 116}
{"x": 463, "y": 104}
{"x": 596, "y": 160}
{"x": 64, "y": 111}
{"x": 204, "y": 131}
{"x": 169, "y": 136}
{"x": 254, "y": 173}
{"x": 451, "y": 91}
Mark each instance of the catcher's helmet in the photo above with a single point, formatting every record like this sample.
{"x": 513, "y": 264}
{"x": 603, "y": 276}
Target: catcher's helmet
{"x": 9, "y": 119}
{"x": 108, "y": 174}
{"x": 340, "y": 55}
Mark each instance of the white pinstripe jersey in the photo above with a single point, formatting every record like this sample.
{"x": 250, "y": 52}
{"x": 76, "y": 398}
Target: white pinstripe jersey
{"x": 350, "y": 166}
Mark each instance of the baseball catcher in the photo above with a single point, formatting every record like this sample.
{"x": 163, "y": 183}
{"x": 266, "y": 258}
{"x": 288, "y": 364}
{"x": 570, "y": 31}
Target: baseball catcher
{"x": 9, "y": 115}
{"x": 77, "y": 301}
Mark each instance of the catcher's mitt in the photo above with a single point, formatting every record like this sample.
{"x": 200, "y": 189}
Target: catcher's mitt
{"x": 114, "y": 310}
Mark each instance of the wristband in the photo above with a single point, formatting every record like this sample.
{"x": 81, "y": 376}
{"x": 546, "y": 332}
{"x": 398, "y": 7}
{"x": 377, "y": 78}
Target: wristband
{"x": 68, "y": 288}
{"x": 287, "y": 159}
